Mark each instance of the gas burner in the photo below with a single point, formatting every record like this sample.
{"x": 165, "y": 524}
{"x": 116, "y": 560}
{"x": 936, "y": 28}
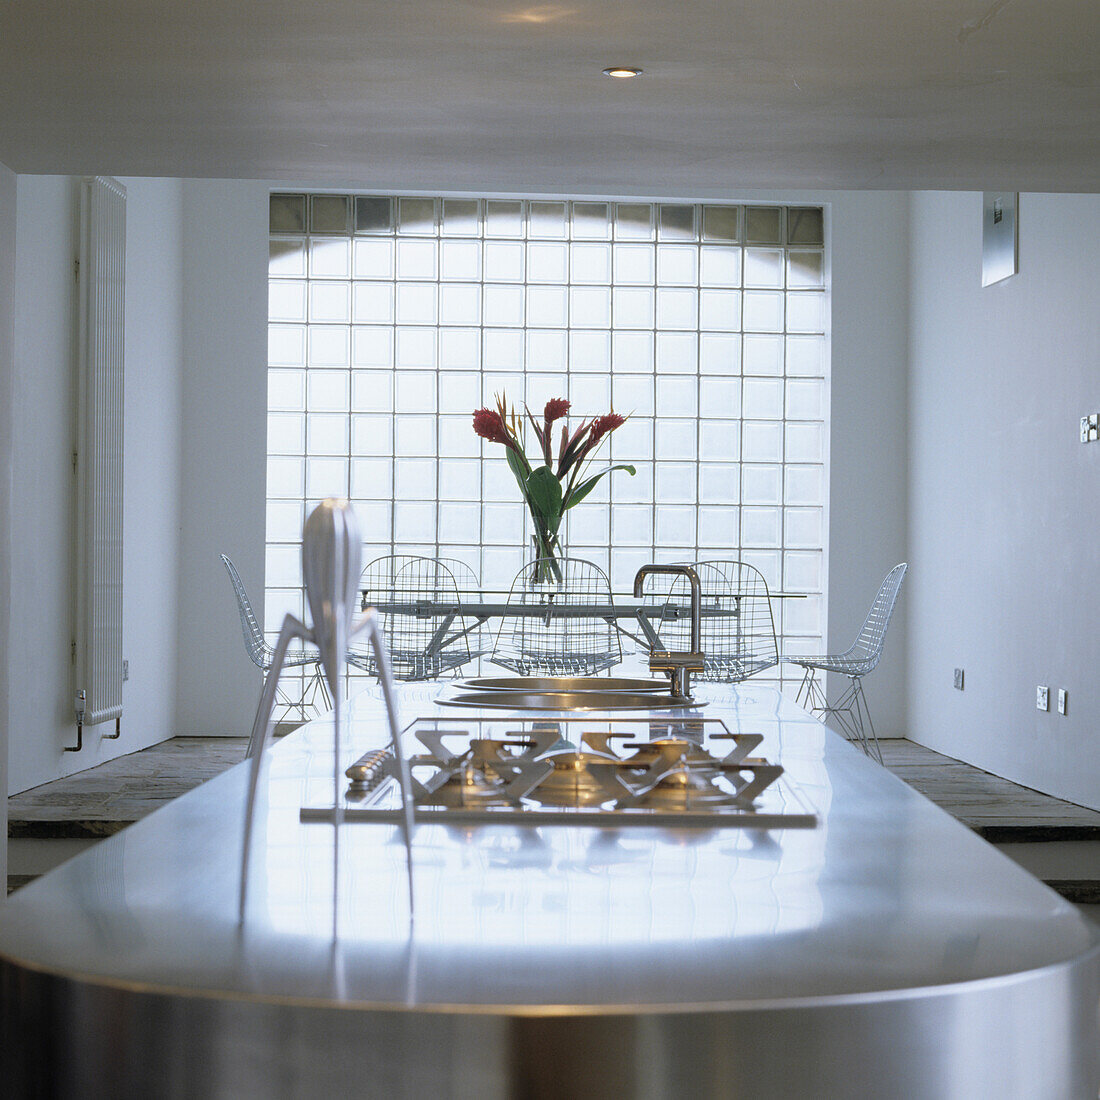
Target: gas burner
{"x": 580, "y": 779}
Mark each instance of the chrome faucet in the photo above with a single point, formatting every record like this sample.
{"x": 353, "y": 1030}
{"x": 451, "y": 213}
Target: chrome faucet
{"x": 679, "y": 666}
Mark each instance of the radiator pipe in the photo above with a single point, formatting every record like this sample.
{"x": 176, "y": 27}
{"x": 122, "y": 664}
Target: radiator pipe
{"x": 81, "y": 700}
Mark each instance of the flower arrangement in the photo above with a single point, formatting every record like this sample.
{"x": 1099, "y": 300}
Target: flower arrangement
{"x": 553, "y": 486}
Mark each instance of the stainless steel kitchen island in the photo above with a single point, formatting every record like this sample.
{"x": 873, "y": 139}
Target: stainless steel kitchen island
{"x": 886, "y": 952}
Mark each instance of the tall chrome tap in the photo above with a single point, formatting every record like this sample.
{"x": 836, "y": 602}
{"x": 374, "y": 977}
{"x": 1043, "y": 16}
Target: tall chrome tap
{"x": 678, "y": 665}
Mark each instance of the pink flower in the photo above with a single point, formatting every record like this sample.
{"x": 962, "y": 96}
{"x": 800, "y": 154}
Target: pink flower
{"x": 489, "y": 424}
{"x": 604, "y": 424}
{"x": 555, "y": 409}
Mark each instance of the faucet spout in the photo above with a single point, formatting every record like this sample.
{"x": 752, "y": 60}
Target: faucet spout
{"x": 678, "y": 665}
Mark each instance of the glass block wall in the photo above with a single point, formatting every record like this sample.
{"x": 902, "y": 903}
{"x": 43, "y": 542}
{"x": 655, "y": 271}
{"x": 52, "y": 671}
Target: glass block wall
{"x": 392, "y": 318}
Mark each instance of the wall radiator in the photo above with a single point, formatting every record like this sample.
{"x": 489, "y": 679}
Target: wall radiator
{"x": 101, "y": 276}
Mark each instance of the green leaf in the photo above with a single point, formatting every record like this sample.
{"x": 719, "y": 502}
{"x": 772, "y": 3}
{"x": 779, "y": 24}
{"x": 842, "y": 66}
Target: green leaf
{"x": 585, "y": 487}
{"x": 520, "y": 470}
{"x": 544, "y": 493}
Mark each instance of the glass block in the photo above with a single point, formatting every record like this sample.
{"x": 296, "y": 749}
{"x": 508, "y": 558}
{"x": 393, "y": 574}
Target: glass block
{"x": 329, "y": 346}
{"x": 503, "y": 218}
{"x": 806, "y": 355}
{"x": 806, "y": 311}
{"x": 415, "y": 435}
{"x": 802, "y": 616}
{"x": 416, "y": 259}
{"x": 631, "y": 525}
{"x": 372, "y": 477}
{"x": 373, "y": 259}
{"x": 632, "y": 351}
{"x": 805, "y": 399}
{"x": 287, "y": 257}
{"x": 803, "y": 528}
{"x": 677, "y": 265}
{"x": 373, "y": 214}
{"x": 720, "y": 440}
{"x": 503, "y": 522}
{"x": 286, "y": 389}
{"x": 542, "y": 387}
{"x": 721, "y": 223}
{"x": 719, "y": 484}
{"x": 719, "y": 526}
{"x": 590, "y": 220}
{"x": 286, "y": 299}
{"x": 766, "y": 562}
{"x": 802, "y": 571}
{"x": 590, "y": 263}
{"x": 330, "y": 258}
{"x": 415, "y": 391}
{"x": 546, "y": 350}
{"x": 415, "y": 347}
{"x": 459, "y": 392}
{"x": 719, "y": 397}
{"x": 719, "y": 353}
{"x": 329, "y": 391}
{"x": 589, "y": 395}
{"x": 762, "y": 441}
{"x": 459, "y": 349}
{"x": 546, "y": 219}
{"x": 371, "y": 346}
{"x": 625, "y": 565}
{"x": 284, "y": 521}
{"x": 633, "y": 440}
{"x": 719, "y": 266}
{"x": 676, "y": 483}
{"x": 372, "y": 303}
{"x": 413, "y": 521}
{"x": 327, "y": 433}
{"x": 633, "y": 220}
{"x": 286, "y": 434}
{"x": 460, "y": 260}
{"x": 371, "y": 434}
{"x": 503, "y": 305}
{"x": 460, "y": 479}
{"x": 677, "y": 353}
{"x": 416, "y": 215}
{"x": 589, "y": 523}
{"x": 278, "y": 603}
{"x": 326, "y": 477}
{"x": 547, "y": 262}
{"x": 805, "y": 269}
{"x": 504, "y": 262}
{"x": 805, "y": 443}
{"x": 460, "y": 521}
{"x": 632, "y": 307}
{"x": 676, "y": 223}
{"x": 762, "y": 311}
{"x": 677, "y": 308}
{"x": 674, "y": 525}
{"x": 763, "y": 267}
{"x": 414, "y": 479}
{"x": 503, "y": 350}
{"x": 285, "y": 476}
{"x": 720, "y": 309}
{"x": 633, "y": 490}
{"x": 329, "y": 214}
{"x": 416, "y": 303}
{"x": 461, "y": 217}
{"x": 677, "y": 396}
{"x": 509, "y": 386}
{"x": 286, "y": 345}
{"x": 589, "y": 351}
{"x": 547, "y": 306}
{"x": 456, "y": 437}
{"x": 590, "y": 307}
{"x": 329, "y": 302}
{"x": 287, "y": 213}
{"x": 676, "y": 439}
{"x": 761, "y": 484}
{"x": 459, "y": 304}
{"x": 805, "y": 225}
{"x": 805, "y": 485}
{"x": 634, "y": 264}
{"x": 760, "y": 526}
{"x": 763, "y": 225}
{"x": 633, "y": 393}
{"x": 762, "y": 354}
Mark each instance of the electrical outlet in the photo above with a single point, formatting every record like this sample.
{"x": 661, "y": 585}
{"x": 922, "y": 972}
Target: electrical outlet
{"x": 1042, "y": 697}
{"x": 1090, "y": 428}
{"x": 1063, "y": 701}
{"x": 959, "y": 678}
{"x": 125, "y": 670}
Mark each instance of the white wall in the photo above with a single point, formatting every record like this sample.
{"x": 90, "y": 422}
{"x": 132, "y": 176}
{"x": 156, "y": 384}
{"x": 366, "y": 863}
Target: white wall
{"x": 39, "y": 664}
{"x": 1003, "y": 496}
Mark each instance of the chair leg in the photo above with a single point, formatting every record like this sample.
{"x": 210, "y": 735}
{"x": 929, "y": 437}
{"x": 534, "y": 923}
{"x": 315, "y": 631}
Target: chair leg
{"x": 850, "y": 713}
{"x": 863, "y": 713}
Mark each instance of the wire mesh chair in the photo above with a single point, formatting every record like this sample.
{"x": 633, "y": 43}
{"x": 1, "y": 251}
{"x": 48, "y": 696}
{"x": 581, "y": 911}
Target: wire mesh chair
{"x": 851, "y": 711}
{"x": 469, "y": 588}
{"x": 737, "y": 627}
{"x": 418, "y": 605}
{"x": 315, "y": 694}
{"x": 549, "y": 641}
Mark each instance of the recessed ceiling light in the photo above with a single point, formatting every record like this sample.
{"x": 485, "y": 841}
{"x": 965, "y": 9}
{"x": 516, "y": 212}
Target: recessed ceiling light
{"x": 621, "y": 72}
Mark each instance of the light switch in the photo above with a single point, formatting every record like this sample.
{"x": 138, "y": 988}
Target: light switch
{"x": 1090, "y": 428}
{"x": 1042, "y": 697}
{"x": 1063, "y": 700}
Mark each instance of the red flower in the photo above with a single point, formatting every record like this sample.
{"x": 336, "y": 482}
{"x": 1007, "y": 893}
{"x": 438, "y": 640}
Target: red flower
{"x": 604, "y": 424}
{"x": 555, "y": 409}
{"x": 489, "y": 424}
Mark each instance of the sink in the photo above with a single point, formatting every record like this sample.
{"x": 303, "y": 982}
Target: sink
{"x": 601, "y": 684}
{"x": 564, "y": 700}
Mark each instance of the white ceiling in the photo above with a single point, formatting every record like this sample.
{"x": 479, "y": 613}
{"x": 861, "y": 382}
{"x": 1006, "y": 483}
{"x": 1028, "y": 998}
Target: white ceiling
{"x": 490, "y": 95}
